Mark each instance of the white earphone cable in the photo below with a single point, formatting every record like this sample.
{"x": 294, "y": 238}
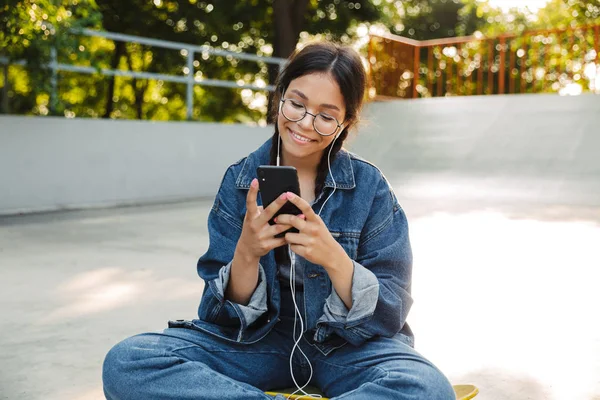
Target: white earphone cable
{"x": 297, "y": 313}
{"x": 331, "y": 175}
{"x": 298, "y": 338}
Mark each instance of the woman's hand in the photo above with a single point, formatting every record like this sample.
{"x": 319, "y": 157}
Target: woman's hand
{"x": 258, "y": 237}
{"x": 314, "y": 241}
{"x": 256, "y": 240}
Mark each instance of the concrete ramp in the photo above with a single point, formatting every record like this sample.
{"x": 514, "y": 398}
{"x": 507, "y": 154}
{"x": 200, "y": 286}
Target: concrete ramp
{"x": 535, "y": 149}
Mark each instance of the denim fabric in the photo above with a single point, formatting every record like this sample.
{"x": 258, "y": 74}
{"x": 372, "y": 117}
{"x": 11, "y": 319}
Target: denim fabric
{"x": 235, "y": 351}
{"x": 285, "y": 271}
{"x": 186, "y": 363}
{"x": 365, "y": 292}
{"x": 363, "y": 215}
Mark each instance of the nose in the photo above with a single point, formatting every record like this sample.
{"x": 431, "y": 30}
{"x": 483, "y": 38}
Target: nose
{"x": 306, "y": 123}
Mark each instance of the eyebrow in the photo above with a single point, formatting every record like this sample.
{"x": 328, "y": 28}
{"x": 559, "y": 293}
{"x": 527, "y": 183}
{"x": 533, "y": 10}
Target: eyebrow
{"x": 299, "y": 93}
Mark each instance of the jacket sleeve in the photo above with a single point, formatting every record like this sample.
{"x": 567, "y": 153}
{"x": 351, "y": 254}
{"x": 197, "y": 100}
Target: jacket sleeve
{"x": 381, "y": 282}
{"x": 214, "y": 268}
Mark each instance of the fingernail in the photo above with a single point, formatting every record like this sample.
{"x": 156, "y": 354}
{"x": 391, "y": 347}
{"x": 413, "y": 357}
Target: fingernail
{"x": 254, "y": 182}
{"x": 301, "y": 216}
{"x": 290, "y": 195}
{"x": 275, "y": 219}
{"x": 283, "y": 196}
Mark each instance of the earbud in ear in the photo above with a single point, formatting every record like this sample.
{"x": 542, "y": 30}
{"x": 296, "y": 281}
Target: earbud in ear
{"x": 340, "y": 132}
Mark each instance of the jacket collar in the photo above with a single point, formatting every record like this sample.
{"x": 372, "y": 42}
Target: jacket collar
{"x": 341, "y": 168}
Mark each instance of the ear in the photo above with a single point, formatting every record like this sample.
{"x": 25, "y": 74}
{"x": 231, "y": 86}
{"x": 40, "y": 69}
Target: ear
{"x": 344, "y": 126}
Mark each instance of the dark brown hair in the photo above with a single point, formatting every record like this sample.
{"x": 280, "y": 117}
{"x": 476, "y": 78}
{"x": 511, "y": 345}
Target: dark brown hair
{"x": 346, "y": 68}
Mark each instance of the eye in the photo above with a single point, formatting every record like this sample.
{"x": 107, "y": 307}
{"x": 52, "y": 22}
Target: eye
{"x": 327, "y": 118}
{"x": 296, "y": 104}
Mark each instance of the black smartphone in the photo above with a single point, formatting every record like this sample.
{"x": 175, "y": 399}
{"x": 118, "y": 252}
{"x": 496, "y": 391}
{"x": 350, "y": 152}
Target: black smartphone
{"x": 272, "y": 182}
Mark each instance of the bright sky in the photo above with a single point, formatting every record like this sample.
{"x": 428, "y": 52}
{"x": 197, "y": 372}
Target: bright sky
{"x": 533, "y": 5}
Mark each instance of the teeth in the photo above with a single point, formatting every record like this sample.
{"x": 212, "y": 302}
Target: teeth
{"x": 303, "y": 139}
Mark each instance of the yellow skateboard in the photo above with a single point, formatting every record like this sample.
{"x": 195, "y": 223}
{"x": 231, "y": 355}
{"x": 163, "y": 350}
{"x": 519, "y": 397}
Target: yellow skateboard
{"x": 463, "y": 392}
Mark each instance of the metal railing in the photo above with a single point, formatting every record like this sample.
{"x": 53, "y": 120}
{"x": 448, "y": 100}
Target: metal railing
{"x": 559, "y": 60}
{"x": 187, "y": 78}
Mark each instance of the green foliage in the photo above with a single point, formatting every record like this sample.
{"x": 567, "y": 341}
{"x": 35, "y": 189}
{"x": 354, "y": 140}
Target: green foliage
{"x": 30, "y": 28}
{"x": 480, "y": 16}
{"x": 227, "y": 24}
{"x": 513, "y": 51}
{"x": 568, "y": 13}
{"x": 430, "y": 19}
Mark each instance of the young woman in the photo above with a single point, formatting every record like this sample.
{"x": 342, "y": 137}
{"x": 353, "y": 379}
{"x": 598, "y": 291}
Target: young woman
{"x": 347, "y": 271}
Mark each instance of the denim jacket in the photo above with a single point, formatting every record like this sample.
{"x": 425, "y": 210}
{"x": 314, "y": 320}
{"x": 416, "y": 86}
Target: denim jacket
{"x": 363, "y": 215}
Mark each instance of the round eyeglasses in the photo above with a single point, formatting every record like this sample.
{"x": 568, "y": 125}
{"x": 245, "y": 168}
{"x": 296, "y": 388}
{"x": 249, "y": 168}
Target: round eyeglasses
{"x": 294, "y": 111}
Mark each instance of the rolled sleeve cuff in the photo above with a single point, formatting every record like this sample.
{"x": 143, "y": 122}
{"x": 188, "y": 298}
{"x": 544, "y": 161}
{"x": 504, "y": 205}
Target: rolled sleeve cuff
{"x": 257, "y": 305}
{"x": 365, "y": 292}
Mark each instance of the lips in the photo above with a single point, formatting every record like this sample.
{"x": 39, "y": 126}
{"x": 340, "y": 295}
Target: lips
{"x": 300, "y": 138}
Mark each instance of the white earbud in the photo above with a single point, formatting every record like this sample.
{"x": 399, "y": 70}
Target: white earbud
{"x": 278, "y": 143}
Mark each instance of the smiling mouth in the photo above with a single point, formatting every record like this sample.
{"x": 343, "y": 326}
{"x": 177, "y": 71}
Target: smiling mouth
{"x": 300, "y": 138}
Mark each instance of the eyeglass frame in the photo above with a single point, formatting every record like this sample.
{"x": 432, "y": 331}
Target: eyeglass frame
{"x": 281, "y": 101}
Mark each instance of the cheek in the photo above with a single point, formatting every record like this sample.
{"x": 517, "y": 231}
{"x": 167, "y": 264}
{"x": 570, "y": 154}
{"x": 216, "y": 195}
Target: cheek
{"x": 326, "y": 141}
{"x": 281, "y": 123}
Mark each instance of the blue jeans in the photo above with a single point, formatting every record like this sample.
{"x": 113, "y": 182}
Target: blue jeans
{"x": 182, "y": 363}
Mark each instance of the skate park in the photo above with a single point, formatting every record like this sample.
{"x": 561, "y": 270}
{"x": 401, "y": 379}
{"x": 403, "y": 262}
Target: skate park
{"x": 103, "y": 222}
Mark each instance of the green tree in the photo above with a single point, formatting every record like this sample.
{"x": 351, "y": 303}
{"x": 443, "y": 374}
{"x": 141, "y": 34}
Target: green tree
{"x": 480, "y": 16}
{"x": 429, "y": 19}
{"x": 29, "y": 29}
{"x": 560, "y": 14}
{"x": 270, "y": 28}
{"x": 259, "y": 27}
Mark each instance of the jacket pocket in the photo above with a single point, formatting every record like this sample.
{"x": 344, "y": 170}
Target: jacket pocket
{"x": 348, "y": 241}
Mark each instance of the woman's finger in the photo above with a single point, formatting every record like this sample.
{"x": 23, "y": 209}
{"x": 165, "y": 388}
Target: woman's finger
{"x": 274, "y": 243}
{"x": 296, "y": 221}
{"x": 297, "y": 239}
{"x": 298, "y": 249}
{"x": 272, "y": 208}
{"x": 299, "y": 202}
{"x": 276, "y": 229}
{"x": 251, "y": 206}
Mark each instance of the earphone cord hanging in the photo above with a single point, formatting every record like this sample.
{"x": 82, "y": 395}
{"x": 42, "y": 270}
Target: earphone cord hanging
{"x": 298, "y": 338}
{"x": 293, "y": 290}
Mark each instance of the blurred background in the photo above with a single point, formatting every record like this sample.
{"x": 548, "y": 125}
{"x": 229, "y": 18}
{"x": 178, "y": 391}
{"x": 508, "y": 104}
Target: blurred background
{"x": 527, "y": 46}
{"x": 118, "y": 120}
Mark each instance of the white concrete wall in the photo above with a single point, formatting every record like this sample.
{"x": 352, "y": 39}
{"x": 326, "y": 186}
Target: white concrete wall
{"x": 525, "y": 148}
{"x": 514, "y": 134}
{"x": 534, "y": 146}
{"x": 57, "y": 163}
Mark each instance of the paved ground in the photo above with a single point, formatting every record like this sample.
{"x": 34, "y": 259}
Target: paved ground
{"x": 505, "y": 291}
